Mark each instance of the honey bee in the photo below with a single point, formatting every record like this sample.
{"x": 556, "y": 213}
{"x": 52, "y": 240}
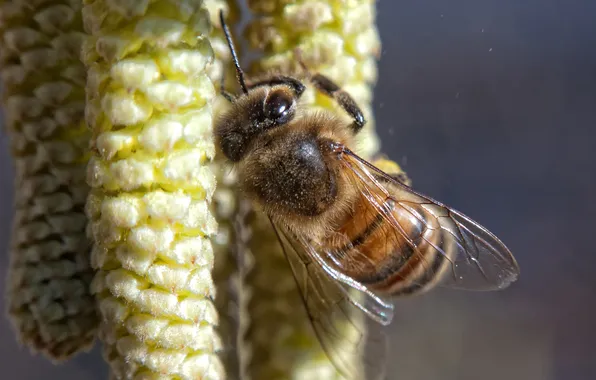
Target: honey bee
{"x": 353, "y": 235}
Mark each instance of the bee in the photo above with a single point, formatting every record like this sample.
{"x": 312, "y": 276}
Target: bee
{"x": 353, "y": 235}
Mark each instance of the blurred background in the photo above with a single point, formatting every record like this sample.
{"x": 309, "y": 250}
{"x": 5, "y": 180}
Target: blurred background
{"x": 490, "y": 106}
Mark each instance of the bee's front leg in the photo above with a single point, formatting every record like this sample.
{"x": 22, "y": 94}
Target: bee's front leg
{"x": 345, "y": 100}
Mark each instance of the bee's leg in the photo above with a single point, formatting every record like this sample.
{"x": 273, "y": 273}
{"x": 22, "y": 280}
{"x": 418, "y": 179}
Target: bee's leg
{"x": 228, "y": 96}
{"x": 222, "y": 90}
{"x": 296, "y": 86}
{"x": 329, "y": 88}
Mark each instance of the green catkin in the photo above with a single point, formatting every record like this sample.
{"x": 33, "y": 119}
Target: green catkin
{"x": 43, "y": 81}
{"x": 150, "y": 107}
{"x": 339, "y": 39}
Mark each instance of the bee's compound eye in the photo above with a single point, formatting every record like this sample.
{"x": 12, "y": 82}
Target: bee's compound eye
{"x": 279, "y": 106}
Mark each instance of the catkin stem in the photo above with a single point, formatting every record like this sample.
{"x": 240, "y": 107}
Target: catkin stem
{"x": 149, "y": 106}
{"x": 227, "y": 243}
{"x": 339, "y": 39}
{"x": 43, "y": 81}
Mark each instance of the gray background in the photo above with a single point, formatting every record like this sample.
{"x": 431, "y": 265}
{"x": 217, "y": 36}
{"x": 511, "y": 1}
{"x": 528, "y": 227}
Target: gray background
{"x": 489, "y": 106}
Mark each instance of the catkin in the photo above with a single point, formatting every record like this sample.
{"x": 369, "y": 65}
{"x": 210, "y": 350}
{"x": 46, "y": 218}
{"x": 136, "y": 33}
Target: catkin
{"x": 282, "y": 343}
{"x": 227, "y": 244}
{"x": 339, "y": 39}
{"x": 149, "y": 106}
{"x": 43, "y": 82}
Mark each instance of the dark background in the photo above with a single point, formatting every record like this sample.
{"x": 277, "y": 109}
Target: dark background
{"x": 489, "y": 106}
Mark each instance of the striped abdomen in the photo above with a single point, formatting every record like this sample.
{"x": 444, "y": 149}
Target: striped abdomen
{"x": 398, "y": 248}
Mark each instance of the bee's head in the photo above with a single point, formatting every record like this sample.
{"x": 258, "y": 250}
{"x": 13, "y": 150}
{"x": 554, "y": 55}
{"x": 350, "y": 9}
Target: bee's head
{"x": 264, "y": 105}
{"x": 261, "y": 109}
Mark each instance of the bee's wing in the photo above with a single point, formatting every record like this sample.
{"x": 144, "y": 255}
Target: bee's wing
{"x": 339, "y": 312}
{"x": 480, "y": 261}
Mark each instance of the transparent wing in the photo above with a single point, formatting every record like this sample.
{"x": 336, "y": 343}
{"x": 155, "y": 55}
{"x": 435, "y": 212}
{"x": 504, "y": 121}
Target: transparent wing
{"x": 478, "y": 259}
{"x": 338, "y": 312}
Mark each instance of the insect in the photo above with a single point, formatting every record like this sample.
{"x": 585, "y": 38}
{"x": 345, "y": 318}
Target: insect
{"x": 353, "y": 235}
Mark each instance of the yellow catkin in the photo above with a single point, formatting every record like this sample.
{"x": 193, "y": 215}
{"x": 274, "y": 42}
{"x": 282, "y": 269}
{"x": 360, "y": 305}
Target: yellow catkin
{"x": 43, "y": 84}
{"x": 337, "y": 38}
{"x": 149, "y": 106}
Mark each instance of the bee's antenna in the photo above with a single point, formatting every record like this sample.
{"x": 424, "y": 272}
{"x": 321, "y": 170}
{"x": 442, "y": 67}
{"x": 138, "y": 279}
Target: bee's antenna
{"x": 239, "y": 72}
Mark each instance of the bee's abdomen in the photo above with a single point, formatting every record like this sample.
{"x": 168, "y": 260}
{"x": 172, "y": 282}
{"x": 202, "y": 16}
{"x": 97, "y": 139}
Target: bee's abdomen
{"x": 398, "y": 248}
{"x": 417, "y": 262}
